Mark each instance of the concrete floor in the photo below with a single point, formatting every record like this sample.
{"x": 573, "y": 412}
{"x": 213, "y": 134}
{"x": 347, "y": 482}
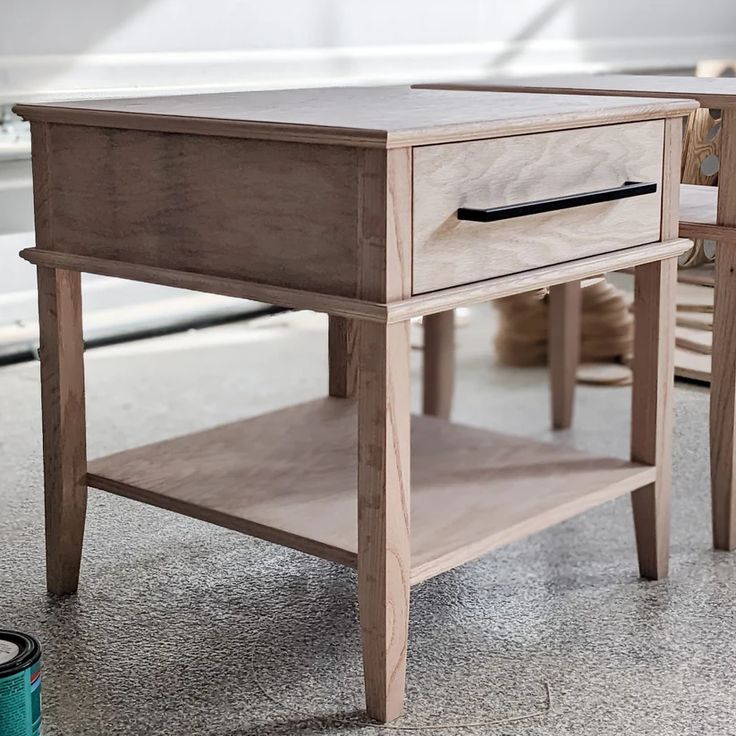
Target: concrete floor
{"x": 179, "y": 627}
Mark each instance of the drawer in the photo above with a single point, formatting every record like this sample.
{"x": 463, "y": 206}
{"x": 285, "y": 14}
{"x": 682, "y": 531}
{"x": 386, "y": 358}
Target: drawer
{"x": 504, "y": 172}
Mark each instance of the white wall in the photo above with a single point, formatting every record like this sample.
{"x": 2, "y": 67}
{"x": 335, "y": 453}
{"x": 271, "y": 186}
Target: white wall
{"x": 89, "y": 47}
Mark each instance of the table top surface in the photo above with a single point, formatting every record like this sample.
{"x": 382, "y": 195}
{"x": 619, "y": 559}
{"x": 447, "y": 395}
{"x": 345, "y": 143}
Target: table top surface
{"x": 709, "y": 91}
{"x": 366, "y": 116}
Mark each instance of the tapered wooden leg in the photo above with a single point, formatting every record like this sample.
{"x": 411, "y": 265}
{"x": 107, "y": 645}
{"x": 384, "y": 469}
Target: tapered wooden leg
{"x": 564, "y": 350}
{"x": 64, "y": 433}
{"x": 342, "y": 351}
{"x": 723, "y": 368}
{"x": 439, "y": 363}
{"x": 722, "y": 404}
{"x": 651, "y": 415}
{"x": 383, "y": 513}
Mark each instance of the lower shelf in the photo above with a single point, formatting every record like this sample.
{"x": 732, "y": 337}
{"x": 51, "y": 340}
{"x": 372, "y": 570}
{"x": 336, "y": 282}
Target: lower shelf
{"x": 290, "y": 477}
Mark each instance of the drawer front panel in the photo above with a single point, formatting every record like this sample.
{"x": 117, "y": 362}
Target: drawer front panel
{"x": 513, "y": 171}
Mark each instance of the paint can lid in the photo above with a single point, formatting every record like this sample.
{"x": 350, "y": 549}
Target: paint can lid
{"x": 17, "y": 652}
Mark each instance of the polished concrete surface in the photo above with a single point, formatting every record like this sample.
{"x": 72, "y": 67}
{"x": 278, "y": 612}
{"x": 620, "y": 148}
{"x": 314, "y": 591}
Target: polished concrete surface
{"x": 182, "y": 628}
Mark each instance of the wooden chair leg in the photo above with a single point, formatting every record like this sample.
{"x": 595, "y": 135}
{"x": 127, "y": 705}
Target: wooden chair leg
{"x": 564, "y": 349}
{"x": 723, "y": 368}
{"x": 343, "y": 364}
{"x": 651, "y": 415}
{"x": 722, "y": 400}
{"x": 383, "y": 513}
{"x": 439, "y": 363}
{"x": 64, "y": 431}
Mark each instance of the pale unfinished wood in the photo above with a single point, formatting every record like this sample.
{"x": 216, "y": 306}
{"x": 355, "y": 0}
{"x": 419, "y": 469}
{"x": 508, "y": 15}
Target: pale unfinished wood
{"x": 397, "y": 311}
{"x": 709, "y": 92}
{"x": 698, "y": 320}
{"x": 692, "y": 366}
{"x": 290, "y": 477}
{"x": 723, "y": 378}
{"x": 358, "y": 116}
{"x": 651, "y": 413}
{"x": 384, "y": 225}
{"x": 439, "y": 363}
{"x": 655, "y": 289}
{"x": 216, "y": 206}
{"x": 698, "y": 212}
{"x": 502, "y": 286}
{"x": 564, "y": 350}
{"x": 281, "y": 296}
{"x": 343, "y": 356}
{"x": 692, "y": 338}
{"x": 384, "y": 560}
{"x": 64, "y": 433}
{"x": 495, "y": 173}
{"x": 694, "y": 298}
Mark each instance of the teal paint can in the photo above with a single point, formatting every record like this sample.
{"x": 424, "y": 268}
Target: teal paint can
{"x": 20, "y": 684}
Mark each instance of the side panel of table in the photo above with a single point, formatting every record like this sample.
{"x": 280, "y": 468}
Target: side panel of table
{"x": 270, "y": 212}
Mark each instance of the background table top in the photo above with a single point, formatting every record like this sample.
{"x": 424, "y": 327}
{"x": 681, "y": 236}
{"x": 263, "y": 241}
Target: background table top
{"x": 709, "y": 91}
{"x": 364, "y": 116}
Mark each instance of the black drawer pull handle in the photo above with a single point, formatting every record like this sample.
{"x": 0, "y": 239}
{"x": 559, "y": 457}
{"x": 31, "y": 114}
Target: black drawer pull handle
{"x": 494, "y": 214}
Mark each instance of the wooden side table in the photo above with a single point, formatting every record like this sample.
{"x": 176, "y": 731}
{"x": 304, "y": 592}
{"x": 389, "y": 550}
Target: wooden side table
{"x": 370, "y": 205}
{"x": 705, "y": 212}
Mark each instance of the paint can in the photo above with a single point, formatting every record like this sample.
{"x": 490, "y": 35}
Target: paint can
{"x": 20, "y": 684}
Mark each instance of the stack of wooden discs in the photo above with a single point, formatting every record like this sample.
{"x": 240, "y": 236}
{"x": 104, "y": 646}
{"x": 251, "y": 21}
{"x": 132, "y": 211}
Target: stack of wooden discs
{"x": 607, "y": 331}
{"x": 694, "y": 330}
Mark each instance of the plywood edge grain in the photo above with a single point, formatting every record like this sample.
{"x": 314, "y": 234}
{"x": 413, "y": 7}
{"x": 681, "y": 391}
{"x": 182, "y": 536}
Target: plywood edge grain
{"x": 278, "y": 295}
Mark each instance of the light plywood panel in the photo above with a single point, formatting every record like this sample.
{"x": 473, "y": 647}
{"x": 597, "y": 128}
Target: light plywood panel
{"x": 290, "y": 477}
{"x": 356, "y": 116}
{"x": 496, "y": 173}
{"x": 278, "y": 213}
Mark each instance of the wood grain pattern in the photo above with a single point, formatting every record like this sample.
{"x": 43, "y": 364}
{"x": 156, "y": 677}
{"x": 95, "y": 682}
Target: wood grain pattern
{"x": 64, "y": 433}
{"x": 382, "y": 117}
{"x": 207, "y": 205}
{"x": 384, "y": 560}
{"x": 651, "y": 413}
{"x": 342, "y": 335}
{"x": 290, "y": 477}
{"x": 384, "y": 225}
{"x": 671, "y": 172}
{"x": 439, "y": 363}
{"x": 655, "y": 290}
{"x": 700, "y": 143}
{"x": 723, "y": 375}
{"x": 564, "y": 350}
{"x": 494, "y": 173}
